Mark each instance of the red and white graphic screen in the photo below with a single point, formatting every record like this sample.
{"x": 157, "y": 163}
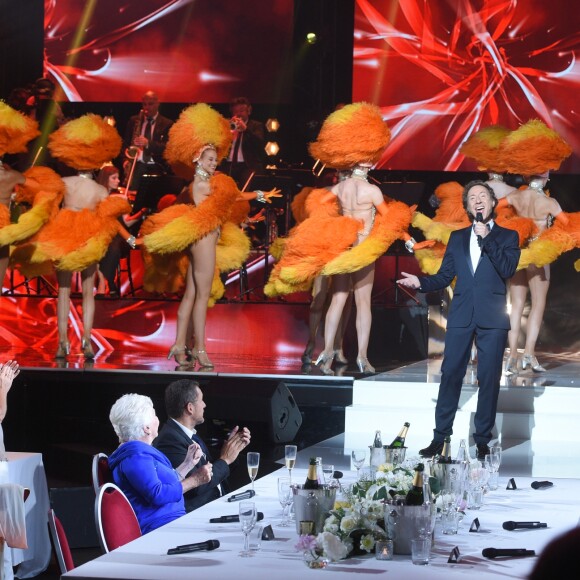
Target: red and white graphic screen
{"x": 186, "y": 50}
{"x": 441, "y": 70}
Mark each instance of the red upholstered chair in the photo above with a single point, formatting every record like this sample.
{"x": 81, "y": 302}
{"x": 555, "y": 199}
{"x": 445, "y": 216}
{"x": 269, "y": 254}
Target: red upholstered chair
{"x": 100, "y": 471}
{"x": 116, "y": 521}
{"x": 60, "y": 543}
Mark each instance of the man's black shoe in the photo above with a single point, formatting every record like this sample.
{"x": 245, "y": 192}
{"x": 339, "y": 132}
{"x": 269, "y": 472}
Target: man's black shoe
{"x": 482, "y": 451}
{"x": 435, "y": 448}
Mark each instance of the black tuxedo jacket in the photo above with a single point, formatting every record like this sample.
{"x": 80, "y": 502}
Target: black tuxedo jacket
{"x": 253, "y": 145}
{"x": 160, "y": 135}
{"x": 478, "y": 296}
{"x": 173, "y": 443}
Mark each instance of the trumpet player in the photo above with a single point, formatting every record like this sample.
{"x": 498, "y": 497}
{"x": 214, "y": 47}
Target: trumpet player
{"x": 248, "y": 141}
{"x": 145, "y": 140}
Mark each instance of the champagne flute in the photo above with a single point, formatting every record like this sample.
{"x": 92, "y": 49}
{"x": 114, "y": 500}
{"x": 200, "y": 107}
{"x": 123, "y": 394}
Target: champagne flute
{"x": 247, "y": 523}
{"x": 253, "y": 461}
{"x": 290, "y": 457}
{"x": 358, "y": 459}
{"x": 285, "y": 498}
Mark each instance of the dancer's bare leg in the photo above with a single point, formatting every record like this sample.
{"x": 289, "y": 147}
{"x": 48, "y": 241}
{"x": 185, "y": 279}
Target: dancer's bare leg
{"x": 342, "y": 326}
{"x": 185, "y": 309}
{"x": 319, "y": 299}
{"x": 518, "y": 293}
{"x": 539, "y": 282}
{"x": 63, "y": 305}
{"x": 204, "y": 254}
{"x": 88, "y": 284}
{"x": 363, "y": 285}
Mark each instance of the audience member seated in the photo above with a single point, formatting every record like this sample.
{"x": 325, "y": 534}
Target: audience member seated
{"x": 559, "y": 559}
{"x": 185, "y": 406}
{"x": 153, "y": 487}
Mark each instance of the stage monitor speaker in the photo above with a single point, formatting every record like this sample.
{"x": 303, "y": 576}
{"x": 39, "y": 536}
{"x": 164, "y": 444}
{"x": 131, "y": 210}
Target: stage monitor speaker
{"x": 266, "y": 401}
{"x": 409, "y": 192}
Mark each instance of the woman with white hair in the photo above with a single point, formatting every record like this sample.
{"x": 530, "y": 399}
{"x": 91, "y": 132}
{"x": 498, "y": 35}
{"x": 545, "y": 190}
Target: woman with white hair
{"x": 152, "y": 486}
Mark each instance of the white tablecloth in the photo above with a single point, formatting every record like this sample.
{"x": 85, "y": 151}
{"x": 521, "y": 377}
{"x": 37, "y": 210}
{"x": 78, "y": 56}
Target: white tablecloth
{"x": 27, "y": 470}
{"x": 145, "y": 558}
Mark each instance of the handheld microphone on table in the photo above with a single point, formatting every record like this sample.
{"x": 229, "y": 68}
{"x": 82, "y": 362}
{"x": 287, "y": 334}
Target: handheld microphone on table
{"x": 506, "y": 553}
{"x": 197, "y": 547}
{"x": 233, "y": 519}
{"x": 479, "y": 218}
{"x": 542, "y": 484}
{"x": 523, "y": 525}
{"x": 244, "y": 495}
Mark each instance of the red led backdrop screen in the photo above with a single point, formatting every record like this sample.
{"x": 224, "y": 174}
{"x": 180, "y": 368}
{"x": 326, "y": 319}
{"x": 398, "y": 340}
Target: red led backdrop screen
{"x": 186, "y": 50}
{"x": 440, "y": 70}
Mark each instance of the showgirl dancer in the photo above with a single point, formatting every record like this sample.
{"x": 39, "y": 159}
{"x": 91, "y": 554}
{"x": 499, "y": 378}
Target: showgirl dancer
{"x": 76, "y": 239}
{"x": 197, "y": 229}
{"x": 348, "y": 228}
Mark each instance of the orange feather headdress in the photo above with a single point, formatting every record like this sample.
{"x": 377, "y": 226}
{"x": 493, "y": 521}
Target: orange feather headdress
{"x": 534, "y": 149}
{"x": 484, "y": 147}
{"x": 198, "y": 127}
{"x": 85, "y": 143}
{"x": 351, "y": 135}
{"x": 16, "y": 130}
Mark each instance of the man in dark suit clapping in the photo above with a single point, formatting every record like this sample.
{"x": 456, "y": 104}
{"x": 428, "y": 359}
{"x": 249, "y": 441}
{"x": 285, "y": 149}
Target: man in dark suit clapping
{"x": 185, "y": 409}
{"x": 482, "y": 257}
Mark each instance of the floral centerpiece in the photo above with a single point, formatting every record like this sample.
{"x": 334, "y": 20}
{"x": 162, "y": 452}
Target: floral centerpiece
{"x": 319, "y": 550}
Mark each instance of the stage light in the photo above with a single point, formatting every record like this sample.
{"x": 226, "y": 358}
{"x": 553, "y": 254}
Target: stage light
{"x": 311, "y": 38}
{"x": 272, "y": 148}
{"x": 272, "y": 125}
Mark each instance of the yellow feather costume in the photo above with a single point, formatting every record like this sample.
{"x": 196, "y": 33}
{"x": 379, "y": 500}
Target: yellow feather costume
{"x": 16, "y": 130}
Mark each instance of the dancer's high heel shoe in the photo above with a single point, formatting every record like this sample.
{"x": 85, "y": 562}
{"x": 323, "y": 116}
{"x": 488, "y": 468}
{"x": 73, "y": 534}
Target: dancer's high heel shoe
{"x": 63, "y": 350}
{"x": 87, "y": 349}
{"x": 531, "y": 361}
{"x": 324, "y": 360}
{"x": 364, "y": 366}
{"x": 511, "y": 366}
{"x": 201, "y": 357}
{"x": 307, "y": 354}
{"x": 180, "y": 355}
{"x": 339, "y": 357}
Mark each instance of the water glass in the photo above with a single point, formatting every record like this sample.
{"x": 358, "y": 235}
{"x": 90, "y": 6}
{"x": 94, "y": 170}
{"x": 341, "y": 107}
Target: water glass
{"x": 285, "y": 497}
{"x": 328, "y": 471}
{"x": 384, "y": 550}
{"x": 450, "y": 522}
{"x": 420, "y": 550}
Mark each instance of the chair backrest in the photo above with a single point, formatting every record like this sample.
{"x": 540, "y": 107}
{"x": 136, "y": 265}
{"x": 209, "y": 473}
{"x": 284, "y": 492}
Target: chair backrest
{"x": 101, "y": 472}
{"x": 60, "y": 543}
{"x": 115, "y": 519}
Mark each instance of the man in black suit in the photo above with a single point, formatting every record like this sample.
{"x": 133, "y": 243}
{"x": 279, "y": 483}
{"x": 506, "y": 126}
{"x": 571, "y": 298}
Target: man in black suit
{"x": 482, "y": 258}
{"x": 247, "y": 152}
{"x": 146, "y": 137}
{"x": 185, "y": 406}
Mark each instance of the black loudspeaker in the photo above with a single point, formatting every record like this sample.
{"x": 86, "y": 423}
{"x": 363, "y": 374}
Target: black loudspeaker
{"x": 75, "y": 508}
{"x": 265, "y": 401}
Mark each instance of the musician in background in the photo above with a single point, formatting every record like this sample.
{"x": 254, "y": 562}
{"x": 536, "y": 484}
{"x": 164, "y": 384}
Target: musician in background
{"x": 145, "y": 140}
{"x": 248, "y": 140}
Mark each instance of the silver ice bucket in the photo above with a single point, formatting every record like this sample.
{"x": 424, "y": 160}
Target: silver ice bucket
{"x": 316, "y": 511}
{"x": 405, "y": 523}
{"x": 395, "y": 455}
{"x": 452, "y": 477}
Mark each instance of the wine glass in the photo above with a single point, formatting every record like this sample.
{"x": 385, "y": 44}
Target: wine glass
{"x": 253, "y": 460}
{"x": 290, "y": 457}
{"x": 328, "y": 471}
{"x": 285, "y": 497}
{"x": 496, "y": 450}
{"x": 247, "y": 523}
{"x": 358, "y": 459}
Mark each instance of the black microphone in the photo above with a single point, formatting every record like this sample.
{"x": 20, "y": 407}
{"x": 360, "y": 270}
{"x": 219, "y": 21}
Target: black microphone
{"x": 508, "y": 552}
{"x": 542, "y": 484}
{"x": 244, "y": 495}
{"x": 479, "y": 218}
{"x": 199, "y": 546}
{"x": 233, "y": 519}
{"x": 523, "y": 525}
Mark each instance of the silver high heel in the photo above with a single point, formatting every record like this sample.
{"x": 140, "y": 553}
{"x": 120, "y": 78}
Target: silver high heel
{"x": 63, "y": 350}
{"x": 511, "y": 365}
{"x": 201, "y": 357}
{"x": 324, "y": 360}
{"x": 532, "y": 361}
{"x": 364, "y": 366}
{"x": 87, "y": 349}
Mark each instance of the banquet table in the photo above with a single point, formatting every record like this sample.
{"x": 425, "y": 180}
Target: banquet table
{"x": 27, "y": 470}
{"x": 146, "y": 558}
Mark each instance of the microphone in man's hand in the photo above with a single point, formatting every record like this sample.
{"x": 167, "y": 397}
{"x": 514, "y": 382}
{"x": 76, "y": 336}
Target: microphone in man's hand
{"x": 542, "y": 484}
{"x": 523, "y": 525}
{"x": 479, "y": 218}
{"x": 197, "y": 547}
{"x": 506, "y": 553}
{"x": 233, "y": 519}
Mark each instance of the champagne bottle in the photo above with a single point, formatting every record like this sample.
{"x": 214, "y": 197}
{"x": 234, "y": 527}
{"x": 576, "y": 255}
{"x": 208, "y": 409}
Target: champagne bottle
{"x": 378, "y": 442}
{"x": 399, "y": 440}
{"x": 445, "y": 456}
{"x": 312, "y": 476}
{"x": 415, "y": 494}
